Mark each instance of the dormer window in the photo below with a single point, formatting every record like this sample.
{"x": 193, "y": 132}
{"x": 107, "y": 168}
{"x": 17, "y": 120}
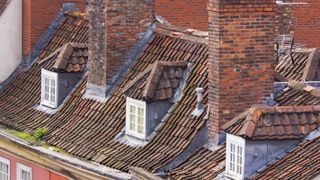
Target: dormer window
{"x": 49, "y": 88}
{"x": 136, "y": 118}
{"x": 150, "y": 95}
{"x": 61, "y": 71}
{"x": 235, "y": 157}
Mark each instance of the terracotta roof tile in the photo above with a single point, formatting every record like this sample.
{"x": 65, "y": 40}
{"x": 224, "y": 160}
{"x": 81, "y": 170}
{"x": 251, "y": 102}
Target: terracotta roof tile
{"x": 298, "y": 94}
{"x": 158, "y": 82}
{"x": 260, "y": 123}
{"x": 303, "y": 67}
{"x": 86, "y": 128}
{"x": 203, "y": 164}
{"x": 72, "y": 57}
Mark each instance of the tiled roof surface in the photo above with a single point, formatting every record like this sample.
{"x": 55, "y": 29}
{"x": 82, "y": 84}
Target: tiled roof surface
{"x": 203, "y": 164}
{"x": 158, "y": 82}
{"x": 72, "y": 57}
{"x": 3, "y": 5}
{"x": 73, "y": 29}
{"x": 87, "y": 128}
{"x": 298, "y": 94}
{"x": 301, "y": 163}
{"x": 303, "y": 67}
{"x": 282, "y": 122}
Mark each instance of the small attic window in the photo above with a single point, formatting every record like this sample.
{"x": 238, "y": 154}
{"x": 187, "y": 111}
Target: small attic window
{"x": 235, "y": 157}
{"x": 49, "y": 88}
{"x": 136, "y": 118}
{"x": 151, "y": 94}
{"x": 61, "y": 71}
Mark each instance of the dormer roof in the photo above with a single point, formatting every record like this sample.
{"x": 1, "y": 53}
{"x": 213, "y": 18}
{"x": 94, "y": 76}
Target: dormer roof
{"x": 158, "y": 82}
{"x": 300, "y": 65}
{"x": 277, "y": 123}
{"x": 72, "y": 57}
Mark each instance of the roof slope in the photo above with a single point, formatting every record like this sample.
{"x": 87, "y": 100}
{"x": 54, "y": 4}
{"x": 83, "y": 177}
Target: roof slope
{"x": 18, "y": 99}
{"x": 203, "y": 164}
{"x": 303, "y": 66}
{"x": 3, "y": 5}
{"x": 87, "y": 128}
{"x": 298, "y": 94}
{"x": 158, "y": 82}
{"x": 278, "y": 123}
{"x": 301, "y": 163}
{"x": 72, "y": 57}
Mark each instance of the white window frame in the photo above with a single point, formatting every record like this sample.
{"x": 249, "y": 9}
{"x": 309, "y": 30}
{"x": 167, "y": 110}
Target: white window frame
{"x": 138, "y": 104}
{"x": 237, "y": 142}
{"x": 6, "y": 162}
{"x": 52, "y": 76}
{"x": 20, "y": 168}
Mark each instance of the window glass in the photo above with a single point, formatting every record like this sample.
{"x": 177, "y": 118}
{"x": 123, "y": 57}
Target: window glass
{"x": 235, "y": 159}
{"x": 49, "y": 88}
{"x": 4, "y": 169}
{"x": 136, "y": 118}
{"x": 24, "y": 172}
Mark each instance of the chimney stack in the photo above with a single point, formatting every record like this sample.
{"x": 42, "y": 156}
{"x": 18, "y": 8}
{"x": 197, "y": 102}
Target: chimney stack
{"x": 241, "y": 43}
{"x": 115, "y": 29}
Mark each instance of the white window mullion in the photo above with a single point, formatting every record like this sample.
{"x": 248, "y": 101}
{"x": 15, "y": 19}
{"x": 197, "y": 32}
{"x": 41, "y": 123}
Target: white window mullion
{"x": 235, "y": 156}
{"x": 4, "y": 169}
{"x": 135, "y": 118}
{"x": 49, "y": 88}
{"x": 24, "y": 172}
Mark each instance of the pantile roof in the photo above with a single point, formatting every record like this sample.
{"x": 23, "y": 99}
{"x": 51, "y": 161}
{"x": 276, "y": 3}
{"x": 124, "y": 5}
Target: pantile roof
{"x": 298, "y": 94}
{"x": 3, "y": 5}
{"x": 86, "y": 128}
{"x": 277, "y": 123}
{"x": 203, "y": 164}
{"x": 300, "y": 163}
{"x": 72, "y": 57}
{"x": 303, "y": 66}
{"x": 158, "y": 82}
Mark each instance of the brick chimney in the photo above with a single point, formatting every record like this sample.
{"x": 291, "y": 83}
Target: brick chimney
{"x": 37, "y": 16}
{"x": 115, "y": 28}
{"x": 241, "y": 43}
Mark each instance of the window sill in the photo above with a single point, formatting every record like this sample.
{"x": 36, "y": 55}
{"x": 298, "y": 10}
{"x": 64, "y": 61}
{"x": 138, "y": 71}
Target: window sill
{"x": 129, "y": 140}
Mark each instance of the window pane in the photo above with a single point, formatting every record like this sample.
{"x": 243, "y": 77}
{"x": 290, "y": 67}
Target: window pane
{"x": 141, "y": 112}
{"x": 132, "y": 109}
{"x": 4, "y": 171}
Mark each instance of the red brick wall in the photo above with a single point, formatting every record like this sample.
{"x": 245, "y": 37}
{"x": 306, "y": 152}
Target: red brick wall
{"x": 241, "y": 41}
{"x": 184, "y": 13}
{"x": 37, "y": 16}
{"x": 307, "y": 23}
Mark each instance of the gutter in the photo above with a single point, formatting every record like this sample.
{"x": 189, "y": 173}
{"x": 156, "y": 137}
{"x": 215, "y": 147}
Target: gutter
{"x": 68, "y": 166}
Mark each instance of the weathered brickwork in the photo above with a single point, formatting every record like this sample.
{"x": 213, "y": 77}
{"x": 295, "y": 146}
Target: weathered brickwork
{"x": 37, "y": 16}
{"x": 97, "y": 44}
{"x": 127, "y": 22}
{"x": 307, "y": 23}
{"x": 116, "y": 27}
{"x": 284, "y": 19}
{"x": 184, "y": 13}
{"x": 241, "y": 35}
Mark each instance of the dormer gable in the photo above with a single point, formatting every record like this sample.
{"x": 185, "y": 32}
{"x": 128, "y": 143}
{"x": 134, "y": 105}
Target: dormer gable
{"x": 261, "y": 134}
{"x": 150, "y": 95}
{"x": 61, "y": 71}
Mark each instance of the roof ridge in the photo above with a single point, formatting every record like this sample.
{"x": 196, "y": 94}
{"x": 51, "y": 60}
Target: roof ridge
{"x": 304, "y": 88}
{"x": 188, "y": 34}
{"x": 77, "y": 14}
